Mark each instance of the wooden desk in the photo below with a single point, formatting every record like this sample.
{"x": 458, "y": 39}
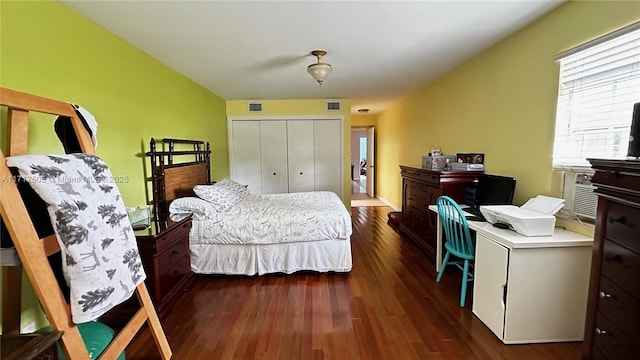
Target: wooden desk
{"x": 529, "y": 289}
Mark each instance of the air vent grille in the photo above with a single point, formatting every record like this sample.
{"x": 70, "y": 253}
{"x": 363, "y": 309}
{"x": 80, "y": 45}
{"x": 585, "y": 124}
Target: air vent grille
{"x": 255, "y": 107}
{"x": 333, "y": 105}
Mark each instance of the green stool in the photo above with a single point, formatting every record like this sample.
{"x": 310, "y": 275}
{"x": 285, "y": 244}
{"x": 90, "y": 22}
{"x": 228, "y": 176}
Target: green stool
{"x": 96, "y": 336}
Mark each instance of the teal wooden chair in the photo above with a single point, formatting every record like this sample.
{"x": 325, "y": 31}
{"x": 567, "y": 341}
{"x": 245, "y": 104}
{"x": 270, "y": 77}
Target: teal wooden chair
{"x": 458, "y": 242}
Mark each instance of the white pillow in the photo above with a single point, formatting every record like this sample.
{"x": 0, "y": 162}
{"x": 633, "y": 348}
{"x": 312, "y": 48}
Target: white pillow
{"x": 185, "y": 206}
{"x": 223, "y": 194}
{"x": 243, "y": 190}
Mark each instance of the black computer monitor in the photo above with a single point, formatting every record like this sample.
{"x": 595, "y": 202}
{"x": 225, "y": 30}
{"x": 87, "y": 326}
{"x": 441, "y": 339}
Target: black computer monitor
{"x": 493, "y": 190}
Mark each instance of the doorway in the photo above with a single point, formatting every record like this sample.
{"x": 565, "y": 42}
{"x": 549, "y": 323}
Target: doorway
{"x": 362, "y": 164}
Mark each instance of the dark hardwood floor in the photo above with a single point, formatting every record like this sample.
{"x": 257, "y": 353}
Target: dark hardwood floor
{"x": 388, "y": 307}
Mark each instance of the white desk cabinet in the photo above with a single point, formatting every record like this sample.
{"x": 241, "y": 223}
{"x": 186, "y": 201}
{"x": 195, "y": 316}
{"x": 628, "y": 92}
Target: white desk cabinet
{"x": 531, "y": 289}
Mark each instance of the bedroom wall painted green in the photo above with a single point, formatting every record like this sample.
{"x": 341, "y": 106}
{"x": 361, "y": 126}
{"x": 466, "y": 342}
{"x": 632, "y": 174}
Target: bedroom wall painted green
{"x": 500, "y": 103}
{"x": 49, "y": 50}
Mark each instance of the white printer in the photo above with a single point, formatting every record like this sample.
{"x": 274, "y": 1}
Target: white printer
{"x": 535, "y": 218}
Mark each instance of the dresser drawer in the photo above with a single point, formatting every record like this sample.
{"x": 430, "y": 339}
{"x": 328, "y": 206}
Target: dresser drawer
{"x": 598, "y": 355}
{"x": 417, "y": 203}
{"x": 430, "y": 177}
{"x": 621, "y": 266}
{"x": 621, "y": 308}
{"x": 623, "y": 225}
{"x": 417, "y": 191}
{"x": 613, "y": 342}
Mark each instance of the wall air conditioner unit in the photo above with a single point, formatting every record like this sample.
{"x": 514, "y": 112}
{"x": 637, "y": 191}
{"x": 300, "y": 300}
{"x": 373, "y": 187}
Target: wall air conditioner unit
{"x": 585, "y": 201}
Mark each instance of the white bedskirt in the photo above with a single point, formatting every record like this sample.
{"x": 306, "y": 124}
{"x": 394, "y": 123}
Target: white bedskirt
{"x": 260, "y": 259}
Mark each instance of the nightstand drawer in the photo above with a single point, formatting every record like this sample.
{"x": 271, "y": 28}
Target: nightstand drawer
{"x": 172, "y": 255}
{"x": 166, "y": 239}
{"x": 170, "y": 277}
{"x": 623, "y": 226}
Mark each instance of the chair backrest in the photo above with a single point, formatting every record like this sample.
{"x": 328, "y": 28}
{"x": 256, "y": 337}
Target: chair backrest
{"x": 456, "y": 229}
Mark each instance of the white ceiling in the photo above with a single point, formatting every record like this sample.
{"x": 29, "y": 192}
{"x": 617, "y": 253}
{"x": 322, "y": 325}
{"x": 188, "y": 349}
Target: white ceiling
{"x": 380, "y": 51}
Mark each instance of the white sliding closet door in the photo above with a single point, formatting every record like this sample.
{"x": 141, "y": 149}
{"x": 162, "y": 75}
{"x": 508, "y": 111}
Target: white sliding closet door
{"x": 273, "y": 151}
{"x": 327, "y": 151}
{"x": 246, "y": 154}
{"x": 300, "y": 142}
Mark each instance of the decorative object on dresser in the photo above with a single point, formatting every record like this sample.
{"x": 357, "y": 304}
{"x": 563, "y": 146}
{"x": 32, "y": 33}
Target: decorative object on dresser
{"x": 164, "y": 250}
{"x": 612, "y": 329}
{"x": 421, "y": 188}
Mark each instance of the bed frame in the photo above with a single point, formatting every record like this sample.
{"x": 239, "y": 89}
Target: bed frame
{"x": 174, "y": 173}
{"x": 172, "y": 179}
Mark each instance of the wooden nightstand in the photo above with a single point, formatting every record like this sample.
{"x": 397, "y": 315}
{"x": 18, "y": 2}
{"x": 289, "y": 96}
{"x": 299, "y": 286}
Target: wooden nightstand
{"x": 164, "y": 249}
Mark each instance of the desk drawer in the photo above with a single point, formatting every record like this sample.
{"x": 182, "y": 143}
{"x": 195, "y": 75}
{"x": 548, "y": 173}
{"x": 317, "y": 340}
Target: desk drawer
{"x": 622, "y": 265}
{"x": 621, "y": 308}
{"x": 623, "y": 225}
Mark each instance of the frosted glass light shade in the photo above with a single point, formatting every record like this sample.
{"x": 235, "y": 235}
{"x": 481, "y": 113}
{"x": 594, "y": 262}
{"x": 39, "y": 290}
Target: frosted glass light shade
{"x": 319, "y": 71}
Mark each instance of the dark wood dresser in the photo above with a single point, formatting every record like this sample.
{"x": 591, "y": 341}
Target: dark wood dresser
{"x": 164, "y": 250}
{"x": 612, "y": 328}
{"x": 420, "y": 188}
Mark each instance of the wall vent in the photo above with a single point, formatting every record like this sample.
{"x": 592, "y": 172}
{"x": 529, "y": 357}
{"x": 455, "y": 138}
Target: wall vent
{"x": 333, "y": 105}
{"x": 255, "y": 107}
{"x": 585, "y": 201}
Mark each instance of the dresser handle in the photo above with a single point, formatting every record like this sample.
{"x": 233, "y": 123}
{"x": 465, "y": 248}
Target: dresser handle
{"x": 604, "y": 295}
{"x": 174, "y": 252}
{"x": 616, "y": 258}
{"x": 619, "y": 219}
{"x": 601, "y": 332}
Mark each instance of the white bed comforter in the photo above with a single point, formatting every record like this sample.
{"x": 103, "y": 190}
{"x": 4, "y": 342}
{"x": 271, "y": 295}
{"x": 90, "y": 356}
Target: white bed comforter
{"x": 277, "y": 218}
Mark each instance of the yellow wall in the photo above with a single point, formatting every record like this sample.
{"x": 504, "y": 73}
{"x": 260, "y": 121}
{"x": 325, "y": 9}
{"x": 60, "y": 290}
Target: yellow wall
{"x": 49, "y": 50}
{"x": 500, "y": 103}
{"x": 359, "y": 121}
{"x": 304, "y": 107}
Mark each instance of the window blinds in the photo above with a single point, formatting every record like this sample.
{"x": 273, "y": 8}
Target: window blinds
{"x": 598, "y": 86}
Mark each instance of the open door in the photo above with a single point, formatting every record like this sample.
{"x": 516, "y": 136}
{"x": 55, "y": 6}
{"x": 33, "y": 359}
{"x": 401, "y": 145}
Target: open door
{"x": 371, "y": 171}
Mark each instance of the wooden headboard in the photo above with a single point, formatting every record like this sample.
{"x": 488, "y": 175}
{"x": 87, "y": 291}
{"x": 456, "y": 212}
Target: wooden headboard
{"x": 174, "y": 173}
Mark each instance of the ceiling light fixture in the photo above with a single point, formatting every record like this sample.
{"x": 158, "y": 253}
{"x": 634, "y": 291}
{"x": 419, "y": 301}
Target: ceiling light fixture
{"x": 363, "y": 112}
{"x": 319, "y": 71}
